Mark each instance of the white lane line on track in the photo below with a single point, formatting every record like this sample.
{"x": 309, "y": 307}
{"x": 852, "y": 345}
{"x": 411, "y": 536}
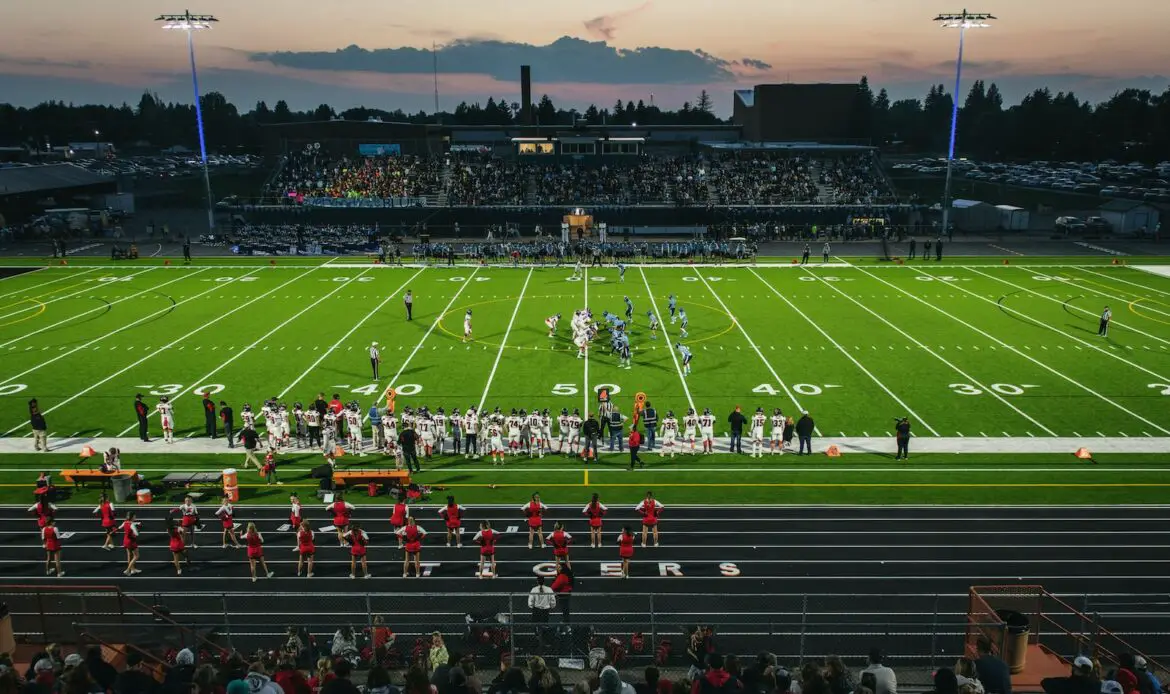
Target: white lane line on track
{"x": 752, "y": 344}
{"x": 669, "y": 344}
{"x": 344, "y": 337}
{"x": 905, "y": 408}
{"x": 933, "y": 353}
{"x": 504, "y": 342}
{"x": 160, "y": 350}
{"x": 204, "y": 378}
{"x": 115, "y": 331}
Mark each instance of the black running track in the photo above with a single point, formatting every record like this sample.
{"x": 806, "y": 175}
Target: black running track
{"x": 814, "y": 579}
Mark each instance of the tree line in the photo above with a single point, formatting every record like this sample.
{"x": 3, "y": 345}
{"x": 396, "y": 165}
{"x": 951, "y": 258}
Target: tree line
{"x": 1132, "y": 125}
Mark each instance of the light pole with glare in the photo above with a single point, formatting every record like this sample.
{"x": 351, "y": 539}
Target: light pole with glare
{"x": 962, "y": 21}
{"x": 191, "y": 23}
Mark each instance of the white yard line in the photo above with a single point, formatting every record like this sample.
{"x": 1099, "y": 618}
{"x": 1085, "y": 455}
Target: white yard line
{"x": 504, "y": 342}
{"x": 162, "y": 349}
{"x": 394, "y": 379}
{"x": 207, "y": 376}
{"x": 344, "y": 337}
{"x": 86, "y": 288}
{"x": 752, "y": 344}
{"x": 38, "y": 287}
{"x": 1003, "y": 344}
{"x": 588, "y": 349}
{"x": 1118, "y": 279}
{"x": 669, "y": 345}
{"x": 116, "y": 330}
{"x": 906, "y": 408}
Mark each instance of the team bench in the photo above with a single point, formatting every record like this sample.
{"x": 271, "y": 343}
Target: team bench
{"x": 78, "y": 477}
{"x": 353, "y": 477}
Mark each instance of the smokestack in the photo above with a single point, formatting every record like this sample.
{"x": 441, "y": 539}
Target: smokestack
{"x": 525, "y": 95}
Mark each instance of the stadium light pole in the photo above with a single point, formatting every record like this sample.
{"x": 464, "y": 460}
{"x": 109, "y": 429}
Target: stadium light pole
{"x": 192, "y": 23}
{"x": 962, "y": 21}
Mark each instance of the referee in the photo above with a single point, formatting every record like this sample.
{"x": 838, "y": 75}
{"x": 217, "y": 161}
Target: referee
{"x": 375, "y": 359}
{"x": 1103, "y": 328}
{"x": 408, "y": 299}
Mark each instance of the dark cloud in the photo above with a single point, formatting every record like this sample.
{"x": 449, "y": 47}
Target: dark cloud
{"x": 567, "y": 59}
{"x": 605, "y": 26}
{"x": 43, "y": 62}
{"x": 755, "y": 64}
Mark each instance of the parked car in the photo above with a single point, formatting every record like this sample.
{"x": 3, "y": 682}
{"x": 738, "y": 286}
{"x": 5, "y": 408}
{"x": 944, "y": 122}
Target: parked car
{"x": 1099, "y": 225}
{"x": 1070, "y": 225}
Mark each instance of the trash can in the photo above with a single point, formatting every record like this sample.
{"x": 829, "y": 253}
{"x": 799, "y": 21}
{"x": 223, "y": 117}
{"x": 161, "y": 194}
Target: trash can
{"x": 1015, "y": 643}
{"x": 123, "y": 488}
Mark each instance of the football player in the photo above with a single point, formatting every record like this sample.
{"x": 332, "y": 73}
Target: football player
{"x": 495, "y": 442}
{"x": 629, "y": 309}
{"x": 672, "y": 304}
{"x": 467, "y": 326}
{"x": 691, "y": 428}
{"x": 683, "y": 323}
{"x": 669, "y": 434}
{"x": 776, "y": 445}
{"x": 707, "y": 430}
{"x": 513, "y": 423}
{"x": 574, "y": 432}
{"x": 758, "y": 421}
{"x": 551, "y": 323}
{"x": 545, "y": 432}
{"x": 166, "y": 415}
{"x": 685, "y": 353}
{"x": 653, "y": 324}
{"x": 440, "y": 421}
{"x": 535, "y": 443}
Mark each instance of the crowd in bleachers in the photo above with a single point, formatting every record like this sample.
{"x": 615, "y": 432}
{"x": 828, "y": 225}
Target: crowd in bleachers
{"x": 483, "y": 180}
{"x": 757, "y": 179}
{"x": 315, "y": 174}
{"x": 852, "y": 181}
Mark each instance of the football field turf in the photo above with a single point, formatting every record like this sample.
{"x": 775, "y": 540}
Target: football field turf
{"x": 991, "y": 362}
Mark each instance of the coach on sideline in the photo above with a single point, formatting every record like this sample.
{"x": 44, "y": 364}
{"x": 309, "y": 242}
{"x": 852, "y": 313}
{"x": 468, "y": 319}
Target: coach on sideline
{"x": 804, "y": 431}
{"x": 902, "y": 429}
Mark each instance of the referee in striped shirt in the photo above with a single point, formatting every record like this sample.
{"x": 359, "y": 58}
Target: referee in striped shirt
{"x": 375, "y": 359}
{"x": 1103, "y": 328}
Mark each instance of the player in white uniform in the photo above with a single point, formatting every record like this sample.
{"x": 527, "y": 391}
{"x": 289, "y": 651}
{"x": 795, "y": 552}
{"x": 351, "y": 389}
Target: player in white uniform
{"x": 283, "y": 425}
{"x": 495, "y": 446}
{"x": 691, "y": 428}
{"x": 551, "y": 322}
{"x": 669, "y": 434}
{"x": 758, "y": 421}
{"x": 563, "y": 430}
{"x": 271, "y": 426}
{"x": 471, "y": 427}
{"x": 535, "y": 442}
{"x": 456, "y": 420}
{"x": 166, "y": 415}
{"x": 545, "y": 432}
{"x": 467, "y": 326}
{"x": 574, "y": 432}
{"x": 329, "y": 432}
{"x": 389, "y": 433}
{"x": 407, "y": 418}
{"x": 353, "y": 426}
{"x": 776, "y": 445}
{"x": 248, "y": 417}
{"x": 707, "y": 430}
{"x": 513, "y": 423}
{"x": 426, "y": 431}
{"x": 578, "y": 269}
{"x": 440, "y": 421}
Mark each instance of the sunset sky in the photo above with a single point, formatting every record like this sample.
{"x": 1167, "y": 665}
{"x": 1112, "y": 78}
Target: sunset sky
{"x": 109, "y": 51}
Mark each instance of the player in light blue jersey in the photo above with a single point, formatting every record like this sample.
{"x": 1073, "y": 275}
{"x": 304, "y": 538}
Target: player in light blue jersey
{"x": 672, "y": 304}
{"x": 684, "y": 321}
{"x": 685, "y": 353}
{"x": 653, "y": 324}
{"x": 621, "y": 272}
{"x": 629, "y": 309}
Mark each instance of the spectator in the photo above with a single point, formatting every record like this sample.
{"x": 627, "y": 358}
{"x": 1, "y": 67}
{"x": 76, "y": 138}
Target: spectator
{"x": 945, "y": 682}
{"x": 610, "y": 682}
{"x": 716, "y": 679}
{"x": 837, "y": 677}
{"x": 259, "y": 682}
{"x": 43, "y": 681}
{"x": 459, "y": 683}
{"x": 512, "y": 682}
{"x": 993, "y": 672}
{"x": 542, "y": 680}
{"x": 735, "y": 422}
{"x": 290, "y": 679}
{"x": 886, "y": 681}
{"x": 812, "y": 679}
{"x": 437, "y": 656}
{"x": 968, "y": 677}
{"x": 563, "y": 587}
{"x": 1126, "y": 674}
{"x": 650, "y": 684}
{"x": 416, "y": 682}
{"x": 180, "y": 676}
{"x": 474, "y": 682}
{"x": 753, "y": 675}
{"x": 77, "y": 680}
{"x": 339, "y": 684}
{"x": 136, "y": 678}
{"x": 1143, "y": 671}
{"x": 345, "y": 645}
{"x": 205, "y": 681}
{"x": 323, "y": 676}
{"x": 1081, "y": 680}
{"x": 377, "y": 682}
{"x": 804, "y": 431}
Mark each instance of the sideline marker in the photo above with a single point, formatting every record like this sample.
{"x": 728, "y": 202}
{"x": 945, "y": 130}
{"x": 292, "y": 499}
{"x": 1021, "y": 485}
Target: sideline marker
{"x": 1084, "y": 454}
{"x": 833, "y": 452}
{"x": 1005, "y": 261}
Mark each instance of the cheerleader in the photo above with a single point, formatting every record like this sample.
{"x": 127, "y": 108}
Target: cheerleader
{"x": 51, "y": 539}
{"x": 398, "y": 518}
{"x": 626, "y": 549}
{"x": 358, "y": 539}
{"x": 595, "y": 510}
{"x": 189, "y": 521}
{"x": 341, "y": 510}
{"x": 487, "y": 539}
{"x": 295, "y": 515}
{"x": 650, "y": 510}
{"x": 453, "y": 517}
{"x": 255, "y": 542}
{"x": 560, "y": 541}
{"x": 44, "y": 510}
{"x": 178, "y": 547}
{"x": 306, "y": 549}
{"x": 130, "y": 543}
{"x": 227, "y": 517}
{"x": 105, "y": 513}
{"x": 412, "y": 536}
{"x": 535, "y": 511}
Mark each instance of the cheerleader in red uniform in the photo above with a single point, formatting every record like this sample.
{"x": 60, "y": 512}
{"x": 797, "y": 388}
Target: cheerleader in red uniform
{"x": 626, "y": 549}
{"x": 412, "y": 536}
{"x": 255, "y": 542}
{"x": 535, "y": 511}
{"x": 453, "y": 517}
{"x": 306, "y": 549}
{"x": 487, "y": 539}
{"x": 341, "y": 510}
{"x": 595, "y": 511}
{"x": 44, "y": 511}
{"x": 178, "y": 547}
{"x": 105, "y": 514}
{"x": 295, "y": 515}
{"x": 560, "y": 541}
{"x": 52, "y": 542}
{"x": 358, "y": 539}
{"x": 398, "y": 519}
{"x": 227, "y": 517}
{"x": 650, "y": 510}
{"x": 130, "y": 543}
{"x": 189, "y": 521}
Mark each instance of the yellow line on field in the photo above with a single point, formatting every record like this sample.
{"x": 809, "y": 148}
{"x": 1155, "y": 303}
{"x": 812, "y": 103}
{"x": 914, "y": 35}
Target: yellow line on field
{"x": 587, "y": 477}
{"x": 1138, "y": 313}
{"x": 21, "y": 320}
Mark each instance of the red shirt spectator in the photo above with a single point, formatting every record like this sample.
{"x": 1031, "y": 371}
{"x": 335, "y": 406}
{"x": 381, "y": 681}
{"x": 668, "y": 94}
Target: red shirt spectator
{"x": 635, "y": 439}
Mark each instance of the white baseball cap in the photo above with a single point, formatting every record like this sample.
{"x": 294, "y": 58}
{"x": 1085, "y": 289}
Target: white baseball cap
{"x": 1111, "y": 687}
{"x": 1082, "y": 662}
{"x": 373, "y": 344}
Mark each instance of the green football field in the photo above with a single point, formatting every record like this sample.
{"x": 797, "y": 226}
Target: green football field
{"x": 976, "y": 354}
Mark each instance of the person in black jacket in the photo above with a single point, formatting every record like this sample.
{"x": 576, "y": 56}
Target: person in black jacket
{"x": 229, "y": 422}
{"x": 141, "y": 411}
{"x": 135, "y": 679}
{"x": 993, "y": 672}
{"x": 735, "y": 421}
{"x": 804, "y": 431}
{"x": 102, "y": 672}
{"x": 209, "y": 416}
{"x": 650, "y": 417}
{"x": 407, "y": 440}
{"x": 902, "y": 434}
{"x": 39, "y": 426}
{"x": 591, "y": 430}
{"x": 1081, "y": 681}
